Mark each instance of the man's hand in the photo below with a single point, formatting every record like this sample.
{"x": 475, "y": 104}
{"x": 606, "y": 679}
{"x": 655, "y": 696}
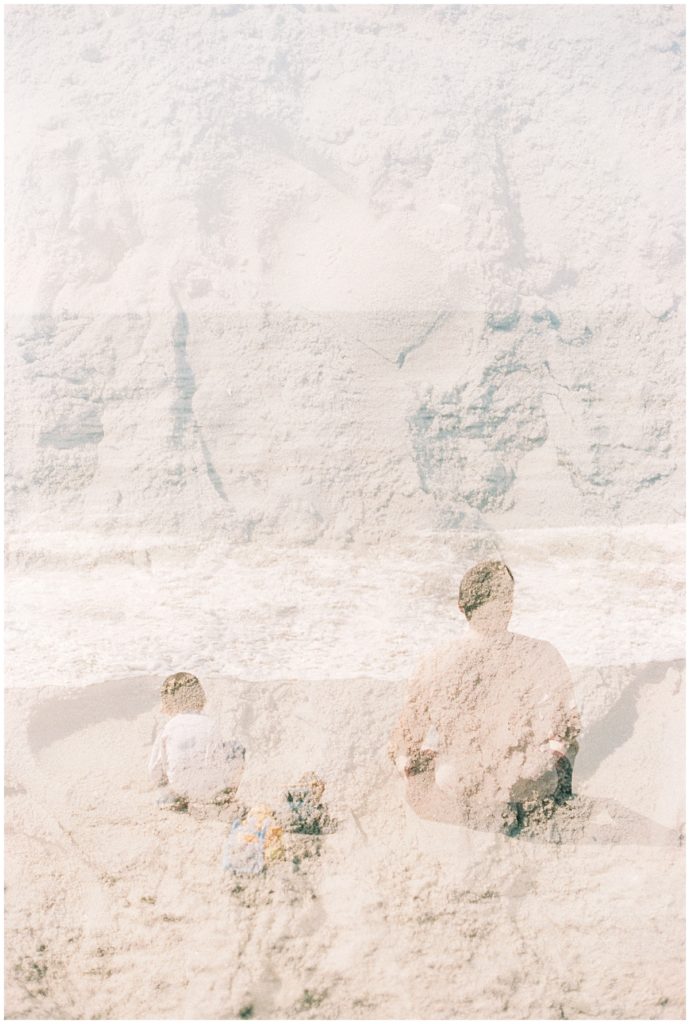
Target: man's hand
{"x": 420, "y": 761}
{"x": 414, "y": 764}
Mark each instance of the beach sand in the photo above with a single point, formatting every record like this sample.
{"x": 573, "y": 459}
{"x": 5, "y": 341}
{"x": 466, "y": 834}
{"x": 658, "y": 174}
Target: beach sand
{"x": 309, "y": 309}
{"x": 117, "y": 909}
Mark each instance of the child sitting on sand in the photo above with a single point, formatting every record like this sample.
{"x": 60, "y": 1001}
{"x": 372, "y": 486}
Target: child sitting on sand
{"x": 189, "y": 760}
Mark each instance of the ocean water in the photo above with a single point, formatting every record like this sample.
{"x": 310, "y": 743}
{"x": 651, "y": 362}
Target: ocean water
{"x": 84, "y": 609}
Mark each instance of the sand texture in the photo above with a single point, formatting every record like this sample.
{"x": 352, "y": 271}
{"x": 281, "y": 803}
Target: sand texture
{"x": 118, "y": 909}
{"x": 309, "y": 308}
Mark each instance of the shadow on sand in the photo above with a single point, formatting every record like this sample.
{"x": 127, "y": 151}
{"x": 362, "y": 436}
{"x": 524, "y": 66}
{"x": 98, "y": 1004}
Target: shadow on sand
{"x": 579, "y": 819}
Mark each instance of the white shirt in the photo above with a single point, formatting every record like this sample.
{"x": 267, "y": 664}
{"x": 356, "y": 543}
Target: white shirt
{"x": 190, "y": 752}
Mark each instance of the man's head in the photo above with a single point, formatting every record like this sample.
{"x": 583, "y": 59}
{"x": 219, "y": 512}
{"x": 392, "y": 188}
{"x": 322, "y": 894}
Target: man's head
{"x": 486, "y": 596}
{"x": 182, "y": 693}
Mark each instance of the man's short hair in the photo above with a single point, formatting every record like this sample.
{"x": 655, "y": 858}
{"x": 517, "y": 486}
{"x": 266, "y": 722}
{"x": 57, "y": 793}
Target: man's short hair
{"x": 480, "y": 585}
{"x": 182, "y": 692}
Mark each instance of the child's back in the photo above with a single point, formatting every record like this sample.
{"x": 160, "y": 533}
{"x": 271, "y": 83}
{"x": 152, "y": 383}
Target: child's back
{"x": 191, "y": 751}
{"x": 189, "y": 756}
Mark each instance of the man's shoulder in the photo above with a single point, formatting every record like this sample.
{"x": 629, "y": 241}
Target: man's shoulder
{"x": 449, "y": 650}
{"x": 540, "y": 654}
{"x": 436, "y": 663}
{"x": 531, "y": 643}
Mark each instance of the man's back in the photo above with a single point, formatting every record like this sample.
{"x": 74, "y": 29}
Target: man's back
{"x": 491, "y": 704}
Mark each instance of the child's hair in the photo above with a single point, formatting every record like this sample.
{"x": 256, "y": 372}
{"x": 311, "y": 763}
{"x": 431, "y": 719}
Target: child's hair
{"x": 182, "y": 692}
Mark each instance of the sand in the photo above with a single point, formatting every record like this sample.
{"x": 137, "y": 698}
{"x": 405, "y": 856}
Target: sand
{"x": 116, "y": 909}
{"x": 310, "y": 308}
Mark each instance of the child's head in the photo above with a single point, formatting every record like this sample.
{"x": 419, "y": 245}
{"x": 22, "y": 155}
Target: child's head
{"x": 180, "y": 693}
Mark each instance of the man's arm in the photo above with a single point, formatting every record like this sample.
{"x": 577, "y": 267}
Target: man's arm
{"x": 414, "y": 740}
{"x": 562, "y": 721}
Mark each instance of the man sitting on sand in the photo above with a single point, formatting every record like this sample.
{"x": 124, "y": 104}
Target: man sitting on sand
{"x": 189, "y": 759}
{"x": 488, "y": 733}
